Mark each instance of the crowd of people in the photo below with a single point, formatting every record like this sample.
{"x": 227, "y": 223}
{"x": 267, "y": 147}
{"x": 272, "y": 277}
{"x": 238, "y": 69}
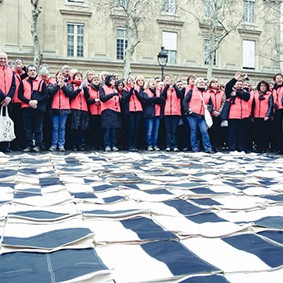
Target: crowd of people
{"x": 71, "y": 111}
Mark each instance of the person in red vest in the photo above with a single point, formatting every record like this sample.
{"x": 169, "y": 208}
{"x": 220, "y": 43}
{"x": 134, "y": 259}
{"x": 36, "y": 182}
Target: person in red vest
{"x": 133, "y": 108}
{"x": 172, "y": 113}
{"x": 277, "y": 133}
{"x": 17, "y": 112}
{"x": 79, "y": 112}
{"x": 110, "y": 112}
{"x": 59, "y": 94}
{"x": 7, "y": 90}
{"x": 93, "y": 100}
{"x": 262, "y": 114}
{"x": 194, "y": 104}
{"x": 216, "y": 132}
{"x": 33, "y": 94}
{"x": 239, "y": 115}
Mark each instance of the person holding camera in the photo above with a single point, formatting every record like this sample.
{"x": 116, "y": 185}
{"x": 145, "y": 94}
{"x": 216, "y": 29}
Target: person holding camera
{"x": 240, "y": 112}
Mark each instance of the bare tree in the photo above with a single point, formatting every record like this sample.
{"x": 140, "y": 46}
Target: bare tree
{"x": 217, "y": 24}
{"x": 36, "y": 10}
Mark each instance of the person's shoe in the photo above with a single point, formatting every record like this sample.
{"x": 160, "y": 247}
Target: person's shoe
{"x": 81, "y": 148}
{"x": 156, "y": 148}
{"x": 175, "y": 149}
{"x": 61, "y": 148}
{"x": 74, "y": 148}
{"x": 53, "y": 148}
{"x": 114, "y": 148}
{"x": 185, "y": 149}
{"x": 167, "y": 149}
{"x": 149, "y": 148}
{"x": 133, "y": 149}
{"x": 107, "y": 148}
{"x": 210, "y": 151}
{"x": 27, "y": 149}
{"x": 36, "y": 148}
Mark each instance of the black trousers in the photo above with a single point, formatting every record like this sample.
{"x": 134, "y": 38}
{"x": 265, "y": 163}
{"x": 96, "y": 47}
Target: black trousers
{"x": 237, "y": 134}
{"x": 262, "y": 134}
{"x": 33, "y": 121}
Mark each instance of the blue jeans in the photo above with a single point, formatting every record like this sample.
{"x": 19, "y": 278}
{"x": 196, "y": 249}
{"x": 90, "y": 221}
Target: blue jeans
{"x": 109, "y": 137}
{"x": 152, "y": 128}
{"x": 58, "y": 129}
{"x": 195, "y": 125}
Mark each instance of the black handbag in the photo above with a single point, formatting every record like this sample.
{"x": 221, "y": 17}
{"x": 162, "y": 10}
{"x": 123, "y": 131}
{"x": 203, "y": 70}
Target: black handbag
{"x": 225, "y": 110}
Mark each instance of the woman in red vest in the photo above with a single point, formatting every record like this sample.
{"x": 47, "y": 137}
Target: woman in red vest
{"x": 216, "y": 132}
{"x": 79, "y": 112}
{"x": 194, "y": 104}
{"x": 262, "y": 113}
{"x": 110, "y": 112}
{"x": 172, "y": 113}
{"x": 60, "y": 94}
{"x": 93, "y": 100}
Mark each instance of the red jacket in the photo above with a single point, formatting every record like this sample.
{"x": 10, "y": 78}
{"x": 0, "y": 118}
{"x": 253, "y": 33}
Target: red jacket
{"x": 134, "y": 103}
{"x": 172, "y": 97}
{"x": 240, "y": 109}
{"x": 7, "y": 83}
{"x": 29, "y": 88}
{"x": 262, "y": 107}
{"x": 216, "y": 98}
{"x": 60, "y": 100}
{"x": 79, "y": 102}
{"x": 157, "y": 107}
{"x": 18, "y": 82}
{"x": 94, "y": 108}
{"x": 109, "y": 99}
{"x": 277, "y": 96}
{"x": 195, "y": 100}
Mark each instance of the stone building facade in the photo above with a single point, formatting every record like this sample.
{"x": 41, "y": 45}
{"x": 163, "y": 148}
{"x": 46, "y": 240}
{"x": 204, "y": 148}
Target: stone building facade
{"x": 88, "y": 34}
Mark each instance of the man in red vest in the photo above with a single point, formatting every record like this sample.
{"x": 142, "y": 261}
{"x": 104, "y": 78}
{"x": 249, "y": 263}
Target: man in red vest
{"x": 7, "y": 89}
{"x": 33, "y": 94}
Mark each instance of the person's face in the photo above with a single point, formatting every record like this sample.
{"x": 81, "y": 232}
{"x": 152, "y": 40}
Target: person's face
{"x": 112, "y": 82}
{"x": 44, "y": 77}
{"x": 95, "y": 81}
{"x": 32, "y": 72}
{"x": 179, "y": 85}
{"x": 278, "y": 79}
{"x": 239, "y": 85}
{"x": 90, "y": 76}
{"x": 158, "y": 81}
{"x": 192, "y": 80}
{"x": 262, "y": 87}
{"x": 152, "y": 84}
{"x": 201, "y": 84}
{"x": 120, "y": 86}
{"x": 140, "y": 82}
{"x": 19, "y": 65}
{"x": 214, "y": 84}
{"x": 78, "y": 77}
{"x": 3, "y": 59}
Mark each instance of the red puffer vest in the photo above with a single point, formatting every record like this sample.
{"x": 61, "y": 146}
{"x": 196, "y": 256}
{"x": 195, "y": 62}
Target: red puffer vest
{"x": 18, "y": 82}
{"x": 157, "y": 106}
{"x": 94, "y": 108}
{"x": 261, "y": 105}
{"x": 277, "y": 96}
{"x": 216, "y": 98}
{"x": 60, "y": 101}
{"x": 29, "y": 88}
{"x": 134, "y": 104}
{"x": 240, "y": 109}
{"x": 112, "y": 103}
{"x": 79, "y": 102}
{"x": 6, "y": 79}
{"x": 172, "y": 103}
{"x": 196, "y": 102}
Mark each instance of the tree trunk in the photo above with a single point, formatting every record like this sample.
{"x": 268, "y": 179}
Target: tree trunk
{"x": 36, "y": 10}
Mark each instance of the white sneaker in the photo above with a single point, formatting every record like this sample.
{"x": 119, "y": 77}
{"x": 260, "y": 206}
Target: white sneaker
{"x": 156, "y": 148}
{"x": 175, "y": 149}
{"x": 107, "y": 148}
{"x": 114, "y": 148}
{"x": 167, "y": 149}
{"x": 53, "y": 148}
{"x": 149, "y": 148}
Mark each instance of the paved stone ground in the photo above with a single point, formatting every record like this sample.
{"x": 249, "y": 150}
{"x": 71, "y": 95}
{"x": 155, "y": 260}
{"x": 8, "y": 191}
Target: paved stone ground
{"x": 141, "y": 217}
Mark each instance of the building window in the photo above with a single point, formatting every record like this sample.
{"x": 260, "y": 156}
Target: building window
{"x": 248, "y": 54}
{"x": 121, "y": 44}
{"x": 169, "y": 6}
{"x": 209, "y": 6}
{"x": 207, "y": 52}
{"x": 75, "y": 40}
{"x": 249, "y": 11}
{"x": 123, "y": 3}
{"x": 170, "y": 46}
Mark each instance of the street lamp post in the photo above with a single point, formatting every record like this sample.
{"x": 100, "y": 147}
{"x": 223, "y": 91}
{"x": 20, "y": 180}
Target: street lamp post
{"x": 162, "y": 59}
